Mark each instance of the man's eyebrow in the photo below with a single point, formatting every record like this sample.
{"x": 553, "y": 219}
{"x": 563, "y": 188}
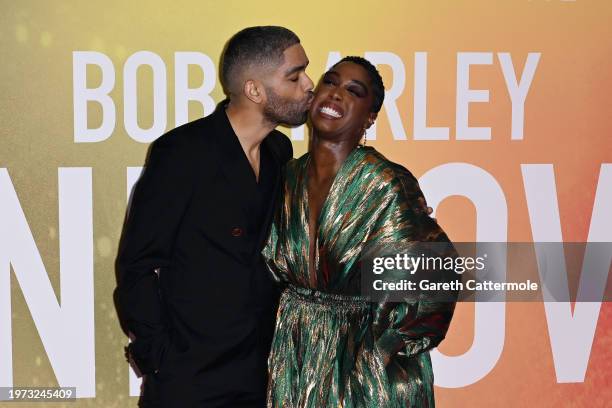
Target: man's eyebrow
{"x": 296, "y": 69}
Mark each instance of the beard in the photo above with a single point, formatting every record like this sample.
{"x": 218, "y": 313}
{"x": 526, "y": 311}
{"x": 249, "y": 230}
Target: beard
{"x": 284, "y": 110}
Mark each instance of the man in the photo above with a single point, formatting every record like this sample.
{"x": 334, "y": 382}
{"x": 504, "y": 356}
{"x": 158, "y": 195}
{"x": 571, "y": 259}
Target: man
{"x": 193, "y": 289}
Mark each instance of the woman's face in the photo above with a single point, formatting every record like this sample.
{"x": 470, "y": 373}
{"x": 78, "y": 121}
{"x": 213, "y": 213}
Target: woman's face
{"x": 342, "y": 102}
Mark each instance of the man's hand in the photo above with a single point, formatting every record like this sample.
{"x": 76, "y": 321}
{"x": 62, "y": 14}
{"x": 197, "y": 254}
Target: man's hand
{"x": 130, "y": 360}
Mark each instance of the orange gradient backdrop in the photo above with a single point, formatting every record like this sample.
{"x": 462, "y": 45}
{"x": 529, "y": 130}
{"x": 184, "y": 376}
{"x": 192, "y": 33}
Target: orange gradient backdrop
{"x": 567, "y": 123}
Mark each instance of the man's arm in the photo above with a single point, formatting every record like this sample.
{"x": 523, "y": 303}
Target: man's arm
{"x": 159, "y": 201}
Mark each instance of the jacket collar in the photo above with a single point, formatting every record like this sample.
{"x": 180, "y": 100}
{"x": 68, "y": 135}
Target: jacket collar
{"x": 232, "y": 161}
{"x": 227, "y": 140}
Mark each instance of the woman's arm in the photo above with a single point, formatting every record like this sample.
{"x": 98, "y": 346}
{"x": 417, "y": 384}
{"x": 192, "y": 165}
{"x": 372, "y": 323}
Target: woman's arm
{"x": 420, "y": 322}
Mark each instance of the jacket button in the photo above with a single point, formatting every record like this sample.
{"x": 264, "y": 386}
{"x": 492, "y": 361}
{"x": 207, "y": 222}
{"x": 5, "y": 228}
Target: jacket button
{"x": 236, "y": 232}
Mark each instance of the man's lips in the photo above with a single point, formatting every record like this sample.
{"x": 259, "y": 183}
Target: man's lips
{"x": 309, "y": 101}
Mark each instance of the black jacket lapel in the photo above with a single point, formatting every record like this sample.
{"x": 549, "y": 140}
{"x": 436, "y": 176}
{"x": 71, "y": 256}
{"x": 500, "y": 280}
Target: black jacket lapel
{"x": 267, "y": 221}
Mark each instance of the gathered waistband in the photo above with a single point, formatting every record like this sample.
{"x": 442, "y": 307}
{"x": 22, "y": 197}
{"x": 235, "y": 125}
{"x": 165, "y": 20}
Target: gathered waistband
{"x": 317, "y": 297}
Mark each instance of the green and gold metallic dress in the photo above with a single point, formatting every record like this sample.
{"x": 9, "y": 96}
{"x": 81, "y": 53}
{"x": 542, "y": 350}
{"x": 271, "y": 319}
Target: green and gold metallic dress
{"x": 331, "y": 347}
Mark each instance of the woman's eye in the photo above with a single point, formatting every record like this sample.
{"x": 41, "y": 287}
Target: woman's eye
{"x": 294, "y": 79}
{"x": 355, "y": 92}
{"x": 327, "y": 81}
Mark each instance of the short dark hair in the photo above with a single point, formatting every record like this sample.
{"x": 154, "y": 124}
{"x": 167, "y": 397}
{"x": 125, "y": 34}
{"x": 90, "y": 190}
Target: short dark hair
{"x": 254, "y": 46}
{"x": 378, "y": 87}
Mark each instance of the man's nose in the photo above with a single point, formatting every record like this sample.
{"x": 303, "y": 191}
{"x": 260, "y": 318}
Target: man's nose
{"x": 309, "y": 86}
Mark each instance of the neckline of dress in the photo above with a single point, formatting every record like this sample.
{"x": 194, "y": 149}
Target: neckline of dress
{"x": 352, "y": 156}
{"x": 356, "y": 154}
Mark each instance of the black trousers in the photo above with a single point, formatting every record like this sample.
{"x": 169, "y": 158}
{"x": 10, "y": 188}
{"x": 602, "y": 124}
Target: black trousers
{"x": 180, "y": 394}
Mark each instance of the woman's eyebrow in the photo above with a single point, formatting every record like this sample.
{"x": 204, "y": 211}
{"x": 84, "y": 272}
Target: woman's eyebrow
{"x": 358, "y": 82}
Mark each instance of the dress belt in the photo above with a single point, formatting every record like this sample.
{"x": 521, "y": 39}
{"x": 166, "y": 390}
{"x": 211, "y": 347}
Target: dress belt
{"x": 317, "y": 297}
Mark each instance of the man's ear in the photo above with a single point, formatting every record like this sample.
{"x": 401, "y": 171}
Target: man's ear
{"x": 372, "y": 117}
{"x": 254, "y": 91}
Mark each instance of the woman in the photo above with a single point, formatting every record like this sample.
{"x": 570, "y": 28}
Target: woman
{"x": 331, "y": 346}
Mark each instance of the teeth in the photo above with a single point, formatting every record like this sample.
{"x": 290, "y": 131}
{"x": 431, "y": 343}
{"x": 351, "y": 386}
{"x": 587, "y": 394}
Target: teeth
{"x": 331, "y": 112}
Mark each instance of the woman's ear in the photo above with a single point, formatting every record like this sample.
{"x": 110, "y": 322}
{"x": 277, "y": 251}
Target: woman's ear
{"x": 253, "y": 90}
{"x": 371, "y": 119}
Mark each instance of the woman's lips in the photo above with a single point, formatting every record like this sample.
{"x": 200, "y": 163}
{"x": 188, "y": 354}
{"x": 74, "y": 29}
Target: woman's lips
{"x": 331, "y": 111}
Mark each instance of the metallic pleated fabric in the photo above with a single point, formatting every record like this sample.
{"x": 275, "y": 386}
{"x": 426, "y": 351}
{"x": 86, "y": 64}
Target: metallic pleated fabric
{"x": 331, "y": 347}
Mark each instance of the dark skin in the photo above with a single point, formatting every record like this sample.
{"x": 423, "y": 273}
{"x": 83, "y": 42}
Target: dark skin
{"x": 340, "y": 114}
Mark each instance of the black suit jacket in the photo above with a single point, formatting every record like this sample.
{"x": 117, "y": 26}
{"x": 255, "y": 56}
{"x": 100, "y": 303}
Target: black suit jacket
{"x": 193, "y": 289}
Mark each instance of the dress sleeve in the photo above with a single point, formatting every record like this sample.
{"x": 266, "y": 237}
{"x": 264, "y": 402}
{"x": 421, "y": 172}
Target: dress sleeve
{"x": 417, "y": 324}
{"x": 159, "y": 201}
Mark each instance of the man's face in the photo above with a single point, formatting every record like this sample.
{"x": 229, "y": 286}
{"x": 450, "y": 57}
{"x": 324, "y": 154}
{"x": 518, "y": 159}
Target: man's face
{"x": 289, "y": 89}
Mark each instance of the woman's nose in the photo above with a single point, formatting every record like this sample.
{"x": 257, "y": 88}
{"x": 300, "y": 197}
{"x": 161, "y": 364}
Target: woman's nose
{"x": 335, "y": 94}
